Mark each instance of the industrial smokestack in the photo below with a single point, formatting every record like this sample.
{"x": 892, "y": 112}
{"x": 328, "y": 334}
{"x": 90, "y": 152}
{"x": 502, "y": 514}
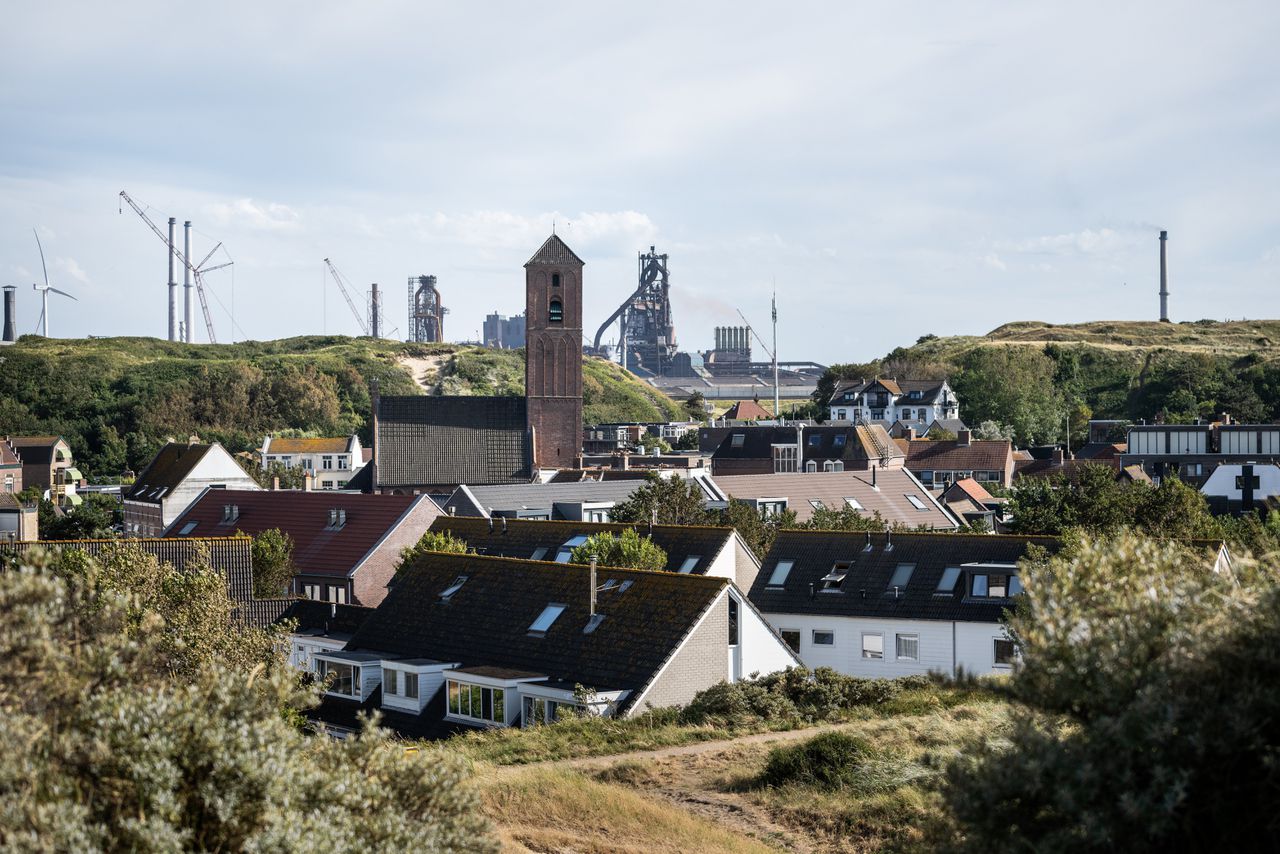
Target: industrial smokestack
{"x": 186, "y": 282}
{"x": 173, "y": 288}
{"x": 10, "y": 314}
{"x": 374, "y": 313}
{"x": 1164, "y": 279}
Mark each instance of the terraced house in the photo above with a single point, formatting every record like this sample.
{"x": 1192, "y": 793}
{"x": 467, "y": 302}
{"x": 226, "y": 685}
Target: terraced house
{"x": 468, "y": 641}
{"x": 331, "y": 462}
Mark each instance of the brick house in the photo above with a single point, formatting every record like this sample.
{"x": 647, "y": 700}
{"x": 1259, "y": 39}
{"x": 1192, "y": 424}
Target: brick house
{"x": 10, "y": 468}
{"x": 174, "y": 478}
{"x": 939, "y": 463}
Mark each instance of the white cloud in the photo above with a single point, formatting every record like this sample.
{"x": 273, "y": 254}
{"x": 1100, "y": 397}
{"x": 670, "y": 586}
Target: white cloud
{"x": 70, "y": 267}
{"x": 1086, "y": 242}
{"x": 993, "y": 261}
{"x": 246, "y": 213}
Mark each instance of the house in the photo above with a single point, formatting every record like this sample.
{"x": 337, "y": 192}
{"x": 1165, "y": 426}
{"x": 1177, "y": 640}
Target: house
{"x": 1193, "y": 451}
{"x": 18, "y": 521}
{"x": 897, "y": 496}
{"x": 969, "y": 501}
{"x": 1237, "y": 489}
{"x": 174, "y": 478}
{"x": 331, "y": 461}
{"x": 913, "y": 402}
{"x": 47, "y": 464}
{"x": 583, "y": 500}
{"x": 345, "y": 545}
{"x": 431, "y": 444}
{"x": 10, "y": 468}
{"x": 805, "y": 448}
{"x": 920, "y": 429}
{"x": 747, "y": 410}
{"x": 939, "y": 462}
{"x": 320, "y": 627}
{"x": 894, "y": 604}
{"x": 700, "y": 550}
{"x": 476, "y": 642}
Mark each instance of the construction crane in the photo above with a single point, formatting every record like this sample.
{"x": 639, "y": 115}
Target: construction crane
{"x": 342, "y": 286}
{"x": 196, "y": 271}
{"x": 773, "y": 352}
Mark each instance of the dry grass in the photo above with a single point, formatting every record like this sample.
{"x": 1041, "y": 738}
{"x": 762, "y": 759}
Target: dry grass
{"x": 558, "y": 809}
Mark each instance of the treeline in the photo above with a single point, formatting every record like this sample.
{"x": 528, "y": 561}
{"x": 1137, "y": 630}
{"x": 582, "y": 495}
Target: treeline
{"x": 1034, "y": 389}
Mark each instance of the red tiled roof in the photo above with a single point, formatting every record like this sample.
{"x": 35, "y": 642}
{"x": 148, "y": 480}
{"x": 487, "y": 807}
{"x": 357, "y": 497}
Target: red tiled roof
{"x": 304, "y": 516}
{"x": 973, "y": 489}
{"x": 978, "y": 455}
{"x": 747, "y": 410}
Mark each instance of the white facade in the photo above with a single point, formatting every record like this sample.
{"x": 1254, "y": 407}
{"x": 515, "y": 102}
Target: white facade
{"x": 941, "y": 646}
{"x": 880, "y": 405}
{"x": 331, "y": 467}
{"x": 1224, "y": 482}
{"x": 1170, "y": 440}
{"x": 1263, "y": 441}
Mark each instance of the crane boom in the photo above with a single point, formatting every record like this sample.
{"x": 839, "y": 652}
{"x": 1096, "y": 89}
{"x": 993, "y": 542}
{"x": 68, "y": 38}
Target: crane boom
{"x": 337, "y": 277}
{"x": 763, "y": 345}
{"x": 195, "y": 271}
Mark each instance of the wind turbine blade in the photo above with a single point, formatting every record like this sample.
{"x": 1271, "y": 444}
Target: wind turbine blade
{"x": 42, "y": 266}
{"x": 64, "y": 293}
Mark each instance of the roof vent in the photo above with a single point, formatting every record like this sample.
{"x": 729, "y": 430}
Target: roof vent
{"x": 504, "y": 524}
{"x": 333, "y": 517}
{"x": 342, "y": 517}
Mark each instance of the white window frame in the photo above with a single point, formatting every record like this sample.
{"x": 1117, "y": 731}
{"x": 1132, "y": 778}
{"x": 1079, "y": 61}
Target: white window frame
{"x": 910, "y": 638}
{"x": 869, "y": 653}
{"x": 453, "y": 690}
{"x": 813, "y": 637}
{"x": 781, "y": 570}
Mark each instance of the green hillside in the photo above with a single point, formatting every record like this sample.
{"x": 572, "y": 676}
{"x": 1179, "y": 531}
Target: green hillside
{"x": 1032, "y": 376}
{"x": 117, "y": 399}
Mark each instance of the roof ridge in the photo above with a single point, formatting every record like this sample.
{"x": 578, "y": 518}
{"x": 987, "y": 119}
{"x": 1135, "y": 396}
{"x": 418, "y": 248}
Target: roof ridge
{"x": 551, "y": 563}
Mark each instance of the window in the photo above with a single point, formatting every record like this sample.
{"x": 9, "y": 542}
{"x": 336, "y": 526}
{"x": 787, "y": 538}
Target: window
{"x": 562, "y": 556}
{"x": 1015, "y": 585}
{"x": 791, "y": 637}
{"x": 833, "y": 579}
{"x": 811, "y": 466}
{"x": 979, "y": 585}
{"x": 689, "y": 563}
{"x": 539, "y": 710}
{"x": 342, "y": 462}
{"x": 390, "y": 681}
{"x": 187, "y": 528}
{"x": 838, "y": 465}
{"x": 908, "y": 647}
{"x": 478, "y": 702}
{"x": 1004, "y": 652}
{"x": 838, "y": 441}
{"x": 901, "y": 575}
{"x": 780, "y": 573}
{"x": 995, "y": 585}
{"x": 986, "y": 476}
{"x": 854, "y": 504}
{"x": 916, "y": 503}
{"x": 547, "y": 617}
{"x": 785, "y": 458}
{"x": 914, "y": 394}
{"x": 947, "y": 583}
{"x": 411, "y": 686}
{"x": 337, "y": 594}
{"x": 824, "y": 637}
{"x": 454, "y": 587}
{"x": 556, "y": 312}
{"x": 555, "y": 280}
{"x": 815, "y": 439}
{"x": 539, "y": 553}
{"x": 829, "y": 465}
{"x": 926, "y": 477}
{"x": 312, "y": 591}
{"x": 733, "y": 621}
{"x": 736, "y": 440}
{"x": 816, "y": 504}
{"x": 770, "y": 509}
{"x": 326, "y": 463}
{"x": 346, "y": 677}
{"x": 8, "y": 483}
{"x": 1254, "y": 482}
{"x": 872, "y": 645}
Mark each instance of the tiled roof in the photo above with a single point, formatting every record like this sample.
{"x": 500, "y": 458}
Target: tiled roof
{"x": 35, "y": 449}
{"x": 8, "y": 501}
{"x": 929, "y": 389}
{"x": 747, "y": 410}
{"x": 318, "y": 549}
{"x": 328, "y": 618}
{"x": 487, "y": 621}
{"x": 523, "y": 537}
{"x": 1070, "y": 469}
{"x": 972, "y": 489}
{"x": 888, "y": 496}
{"x": 1100, "y": 451}
{"x": 438, "y": 441}
{"x": 950, "y": 455}
{"x": 330, "y": 445}
{"x": 544, "y": 496}
{"x": 8, "y": 458}
{"x": 167, "y": 469}
{"x": 815, "y": 553}
{"x": 554, "y": 251}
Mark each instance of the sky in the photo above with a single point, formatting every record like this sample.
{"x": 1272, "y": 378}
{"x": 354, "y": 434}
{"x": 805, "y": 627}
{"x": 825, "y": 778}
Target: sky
{"x": 892, "y": 169}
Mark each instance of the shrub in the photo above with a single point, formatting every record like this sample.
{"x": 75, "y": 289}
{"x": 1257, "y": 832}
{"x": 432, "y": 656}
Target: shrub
{"x": 833, "y": 760}
{"x": 735, "y": 701}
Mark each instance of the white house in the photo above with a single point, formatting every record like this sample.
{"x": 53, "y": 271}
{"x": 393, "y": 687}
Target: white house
{"x": 1245, "y": 488}
{"x": 173, "y": 480}
{"x": 912, "y": 402}
{"x": 331, "y": 461}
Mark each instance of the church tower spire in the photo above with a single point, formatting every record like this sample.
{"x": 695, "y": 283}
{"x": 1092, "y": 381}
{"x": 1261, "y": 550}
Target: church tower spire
{"x": 553, "y": 354}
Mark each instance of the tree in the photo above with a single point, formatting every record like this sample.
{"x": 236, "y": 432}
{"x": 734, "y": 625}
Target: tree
{"x": 664, "y": 501}
{"x": 290, "y": 478}
{"x": 758, "y": 533}
{"x": 648, "y": 442}
{"x": 687, "y": 441}
{"x": 696, "y": 406}
{"x": 273, "y": 568}
{"x": 626, "y": 549}
{"x": 1014, "y": 386}
{"x": 1146, "y": 709}
{"x": 993, "y": 431}
{"x": 98, "y": 517}
{"x": 110, "y": 749}
{"x": 432, "y": 541}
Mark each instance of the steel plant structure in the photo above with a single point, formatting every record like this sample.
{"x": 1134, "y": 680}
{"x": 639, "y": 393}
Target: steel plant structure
{"x": 426, "y": 311}
{"x": 648, "y": 335}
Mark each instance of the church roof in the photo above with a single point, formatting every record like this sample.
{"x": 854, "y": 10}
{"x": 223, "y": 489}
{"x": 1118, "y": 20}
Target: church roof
{"x": 444, "y": 441}
{"x": 554, "y": 251}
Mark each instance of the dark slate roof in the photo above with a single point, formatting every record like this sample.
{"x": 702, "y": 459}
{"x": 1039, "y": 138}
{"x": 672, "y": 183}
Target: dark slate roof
{"x": 929, "y": 389}
{"x": 167, "y": 469}
{"x": 486, "y": 622}
{"x": 542, "y": 496}
{"x": 317, "y": 548}
{"x": 522, "y": 537}
{"x": 757, "y": 442}
{"x": 35, "y": 449}
{"x": 950, "y": 455}
{"x": 436, "y": 441}
{"x": 554, "y": 251}
{"x": 816, "y": 552}
{"x": 327, "y": 618}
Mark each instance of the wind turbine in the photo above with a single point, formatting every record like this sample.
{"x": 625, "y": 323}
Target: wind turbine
{"x": 43, "y": 322}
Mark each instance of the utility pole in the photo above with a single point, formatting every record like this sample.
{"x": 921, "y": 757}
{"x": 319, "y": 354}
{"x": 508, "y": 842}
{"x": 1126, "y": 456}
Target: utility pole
{"x": 777, "y": 411}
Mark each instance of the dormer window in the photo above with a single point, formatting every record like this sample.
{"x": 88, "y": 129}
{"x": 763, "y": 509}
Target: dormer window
{"x": 556, "y": 312}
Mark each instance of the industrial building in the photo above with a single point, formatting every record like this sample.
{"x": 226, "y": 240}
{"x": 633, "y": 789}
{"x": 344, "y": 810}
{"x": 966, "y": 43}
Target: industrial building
{"x": 647, "y": 333}
{"x": 504, "y": 333}
{"x": 426, "y": 311}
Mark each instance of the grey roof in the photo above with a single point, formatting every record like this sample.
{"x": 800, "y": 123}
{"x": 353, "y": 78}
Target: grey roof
{"x": 554, "y": 251}
{"x": 929, "y": 389}
{"x": 888, "y": 496}
{"x": 865, "y": 590}
{"x": 444, "y": 441}
{"x": 539, "y": 496}
{"x": 168, "y": 468}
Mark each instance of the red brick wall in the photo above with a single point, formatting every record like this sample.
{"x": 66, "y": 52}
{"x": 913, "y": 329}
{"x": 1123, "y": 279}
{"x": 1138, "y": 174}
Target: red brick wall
{"x": 553, "y": 363}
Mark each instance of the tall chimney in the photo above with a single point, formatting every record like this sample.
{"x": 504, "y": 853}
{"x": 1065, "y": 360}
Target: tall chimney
{"x": 373, "y": 313}
{"x": 1164, "y": 279}
{"x": 173, "y": 288}
{"x": 186, "y": 282}
{"x": 10, "y": 313}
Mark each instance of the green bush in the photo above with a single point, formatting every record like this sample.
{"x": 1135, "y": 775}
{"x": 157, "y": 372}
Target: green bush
{"x": 833, "y": 760}
{"x": 733, "y": 701}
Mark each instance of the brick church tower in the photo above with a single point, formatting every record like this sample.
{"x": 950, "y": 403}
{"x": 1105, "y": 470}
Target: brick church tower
{"x": 553, "y": 354}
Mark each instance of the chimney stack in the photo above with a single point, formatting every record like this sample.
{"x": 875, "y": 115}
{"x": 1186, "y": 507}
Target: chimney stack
{"x": 308, "y": 481}
{"x": 593, "y": 586}
{"x": 10, "y": 314}
{"x": 963, "y": 438}
{"x": 1164, "y": 279}
{"x": 187, "y": 314}
{"x": 1058, "y": 456}
{"x": 173, "y": 288}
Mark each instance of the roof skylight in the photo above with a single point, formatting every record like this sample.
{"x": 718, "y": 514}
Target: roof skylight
{"x": 547, "y": 617}
{"x": 780, "y": 573}
{"x": 854, "y": 504}
{"x": 902, "y": 575}
{"x": 916, "y": 503}
{"x": 689, "y": 563}
{"x": 947, "y": 583}
{"x": 454, "y": 587}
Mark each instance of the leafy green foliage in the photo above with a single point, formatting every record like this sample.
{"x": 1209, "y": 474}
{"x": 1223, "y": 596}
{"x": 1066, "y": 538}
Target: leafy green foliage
{"x": 664, "y": 501}
{"x": 139, "y": 717}
{"x": 757, "y": 532}
{"x": 796, "y": 693}
{"x": 1149, "y": 683}
{"x": 832, "y": 760}
{"x": 98, "y": 517}
{"x": 626, "y": 549}
{"x": 433, "y": 541}
{"x": 273, "y": 568}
